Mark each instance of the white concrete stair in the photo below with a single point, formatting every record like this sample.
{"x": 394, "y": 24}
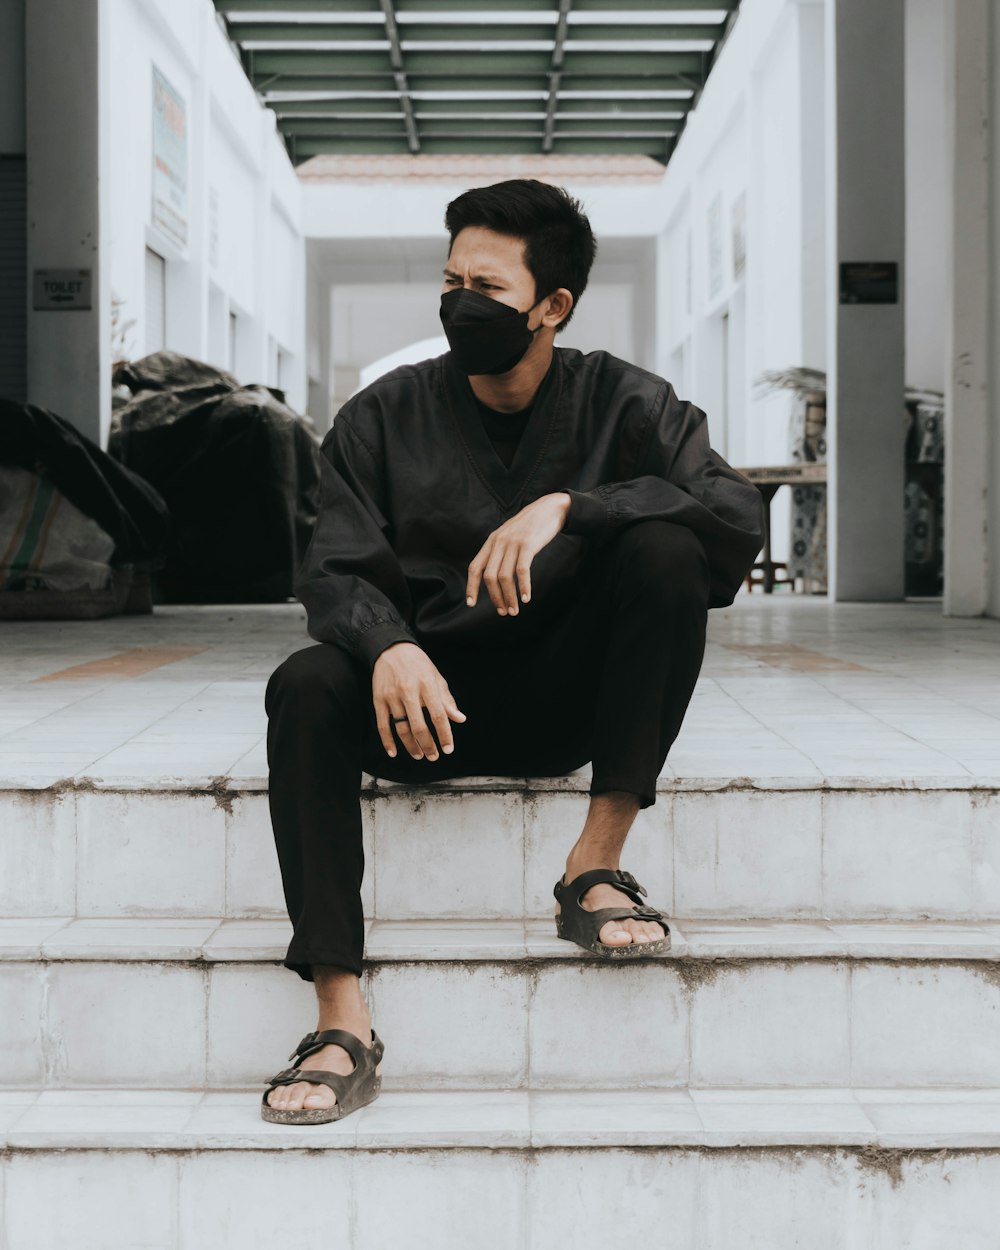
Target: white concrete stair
{"x": 890, "y": 850}
{"x": 505, "y": 1004}
{"x": 816, "y": 1063}
{"x": 830, "y": 1169}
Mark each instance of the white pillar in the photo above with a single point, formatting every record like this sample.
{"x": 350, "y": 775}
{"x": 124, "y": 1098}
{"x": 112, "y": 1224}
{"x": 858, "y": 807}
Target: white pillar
{"x": 967, "y": 318}
{"x": 69, "y": 352}
{"x": 865, "y": 343}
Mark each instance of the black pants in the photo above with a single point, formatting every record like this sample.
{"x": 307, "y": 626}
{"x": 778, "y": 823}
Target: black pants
{"x": 609, "y": 682}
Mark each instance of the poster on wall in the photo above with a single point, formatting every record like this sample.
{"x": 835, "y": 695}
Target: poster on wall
{"x": 715, "y": 246}
{"x": 739, "y": 212}
{"x": 169, "y": 160}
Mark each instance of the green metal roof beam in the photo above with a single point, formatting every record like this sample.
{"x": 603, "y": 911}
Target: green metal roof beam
{"x": 321, "y": 108}
{"x": 654, "y": 149}
{"x": 646, "y": 6}
{"x": 455, "y": 128}
{"x": 626, "y": 64}
{"x": 555, "y": 75}
{"x": 281, "y": 32}
{"x": 471, "y": 6}
{"x": 537, "y": 83}
{"x": 263, "y": 64}
{"x": 356, "y": 32}
{"x": 337, "y": 63}
{"x": 475, "y": 6}
{"x": 566, "y": 126}
{"x": 345, "y": 81}
{"x": 620, "y": 108}
{"x": 443, "y": 108}
{"x": 321, "y": 126}
{"x": 399, "y": 73}
{"x": 431, "y": 108}
{"x": 298, "y": 6}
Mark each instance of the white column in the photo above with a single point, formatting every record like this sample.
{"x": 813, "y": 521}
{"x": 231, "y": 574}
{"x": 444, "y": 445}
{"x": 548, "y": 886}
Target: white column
{"x": 69, "y": 352}
{"x": 967, "y": 317}
{"x": 865, "y": 343}
{"x": 993, "y": 603}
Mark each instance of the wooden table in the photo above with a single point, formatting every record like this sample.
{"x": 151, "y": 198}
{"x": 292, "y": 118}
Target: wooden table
{"x": 767, "y": 479}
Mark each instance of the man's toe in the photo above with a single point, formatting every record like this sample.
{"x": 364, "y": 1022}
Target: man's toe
{"x": 615, "y": 934}
{"x": 318, "y": 1100}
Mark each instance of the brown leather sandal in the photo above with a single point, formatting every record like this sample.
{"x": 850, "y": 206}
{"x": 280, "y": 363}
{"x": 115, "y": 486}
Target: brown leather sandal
{"x": 576, "y": 924}
{"x": 354, "y": 1090}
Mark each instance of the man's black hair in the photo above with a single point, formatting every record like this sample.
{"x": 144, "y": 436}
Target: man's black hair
{"x": 559, "y": 245}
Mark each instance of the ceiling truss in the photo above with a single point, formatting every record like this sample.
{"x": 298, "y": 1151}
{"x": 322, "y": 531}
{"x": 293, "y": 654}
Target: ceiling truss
{"x": 579, "y": 77}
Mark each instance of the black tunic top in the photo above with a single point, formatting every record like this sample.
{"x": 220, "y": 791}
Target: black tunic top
{"x": 412, "y": 487}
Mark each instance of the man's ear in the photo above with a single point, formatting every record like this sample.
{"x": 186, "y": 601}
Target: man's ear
{"x": 557, "y": 307}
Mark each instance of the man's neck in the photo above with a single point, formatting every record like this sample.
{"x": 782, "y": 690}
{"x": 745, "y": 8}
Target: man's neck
{"x": 514, "y": 391}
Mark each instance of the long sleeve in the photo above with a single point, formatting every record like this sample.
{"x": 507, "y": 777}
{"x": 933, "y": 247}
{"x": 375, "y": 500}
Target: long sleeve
{"x": 678, "y": 477}
{"x": 350, "y": 581}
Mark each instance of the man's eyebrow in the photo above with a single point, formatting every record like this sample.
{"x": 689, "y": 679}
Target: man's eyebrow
{"x": 476, "y": 277}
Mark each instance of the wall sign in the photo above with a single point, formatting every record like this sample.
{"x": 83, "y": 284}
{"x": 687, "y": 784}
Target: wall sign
{"x": 169, "y": 160}
{"x": 62, "y": 289}
{"x": 869, "y": 282}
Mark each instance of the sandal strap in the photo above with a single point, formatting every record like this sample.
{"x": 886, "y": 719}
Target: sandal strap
{"x": 354, "y": 1046}
{"x": 315, "y": 1076}
{"x": 612, "y": 876}
{"x": 602, "y": 915}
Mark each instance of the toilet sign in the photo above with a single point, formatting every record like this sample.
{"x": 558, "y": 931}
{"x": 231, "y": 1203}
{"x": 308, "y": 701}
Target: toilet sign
{"x": 66, "y": 289}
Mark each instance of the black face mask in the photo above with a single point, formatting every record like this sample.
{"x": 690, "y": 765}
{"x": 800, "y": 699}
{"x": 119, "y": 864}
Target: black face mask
{"x": 484, "y": 335}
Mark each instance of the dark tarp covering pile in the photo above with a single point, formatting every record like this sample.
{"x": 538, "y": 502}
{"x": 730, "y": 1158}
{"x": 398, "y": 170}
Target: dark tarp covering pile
{"x": 239, "y": 471}
{"x": 123, "y": 505}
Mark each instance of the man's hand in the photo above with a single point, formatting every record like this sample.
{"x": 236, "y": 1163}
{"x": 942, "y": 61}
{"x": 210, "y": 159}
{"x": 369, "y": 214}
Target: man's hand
{"x": 509, "y": 551}
{"x": 404, "y": 681}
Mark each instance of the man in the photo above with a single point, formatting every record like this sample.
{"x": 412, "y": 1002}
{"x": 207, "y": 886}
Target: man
{"x": 509, "y": 575}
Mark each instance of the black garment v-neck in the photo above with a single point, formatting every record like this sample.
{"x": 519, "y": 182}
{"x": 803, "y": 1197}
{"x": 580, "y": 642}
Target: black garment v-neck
{"x": 505, "y": 479}
{"x": 504, "y": 429}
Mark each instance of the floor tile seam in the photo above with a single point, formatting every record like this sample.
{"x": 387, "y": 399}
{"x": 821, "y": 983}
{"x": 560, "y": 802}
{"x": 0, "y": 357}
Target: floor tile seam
{"x": 753, "y": 715}
{"x": 156, "y": 721}
{"x": 916, "y": 741}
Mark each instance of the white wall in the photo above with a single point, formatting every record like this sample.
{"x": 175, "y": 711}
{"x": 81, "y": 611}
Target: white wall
{"x": 927, "y": 192}
{"x": 751, "y": 136}
{"x": 245, "y": 251}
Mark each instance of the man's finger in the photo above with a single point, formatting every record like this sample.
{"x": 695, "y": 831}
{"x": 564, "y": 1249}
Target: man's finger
{"x": 451, "y": 707}
{"x": 384, "y": 727}
{"x": 524, "y": 575}
{"x": 472, "y": 584}
{"x": 439, "y": 718}
{"x": 408, "y": 740}
{"x": 508, "y": 590}
{"x": 418, "y": 726}
{"x": 491, "y": 579}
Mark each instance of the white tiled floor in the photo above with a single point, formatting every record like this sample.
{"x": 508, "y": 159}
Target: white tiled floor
{"x": 922, "y": 702}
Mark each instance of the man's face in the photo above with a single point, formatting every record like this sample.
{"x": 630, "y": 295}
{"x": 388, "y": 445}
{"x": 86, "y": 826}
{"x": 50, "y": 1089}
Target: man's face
{"x": 492, "y": 264}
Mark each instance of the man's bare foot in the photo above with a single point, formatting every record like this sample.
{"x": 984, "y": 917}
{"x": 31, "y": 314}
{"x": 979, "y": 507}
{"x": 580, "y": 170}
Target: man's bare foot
{"x": 615, "y": 932}
{"x": 304, "y": 1094}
